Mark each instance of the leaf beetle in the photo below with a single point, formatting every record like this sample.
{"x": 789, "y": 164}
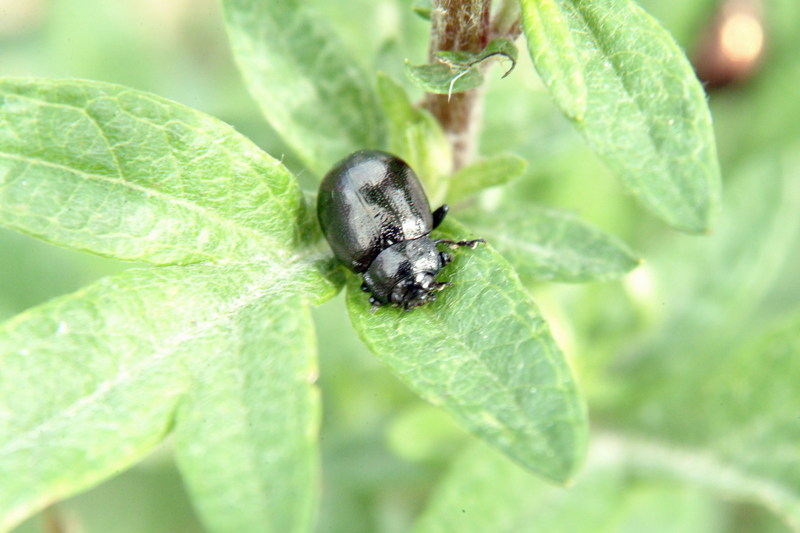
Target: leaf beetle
{"x": 376, "y": 217}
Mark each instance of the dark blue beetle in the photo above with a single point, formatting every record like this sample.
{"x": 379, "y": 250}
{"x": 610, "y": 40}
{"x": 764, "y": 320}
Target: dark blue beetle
{"x": 377, "y": 219}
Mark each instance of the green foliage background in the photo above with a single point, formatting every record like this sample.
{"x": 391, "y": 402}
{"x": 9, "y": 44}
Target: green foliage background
{"x": 689, "y": 364}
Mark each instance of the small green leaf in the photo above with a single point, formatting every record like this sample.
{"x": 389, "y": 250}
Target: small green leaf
{"x": 417, "y": 137}
{"x": 646, "y": 113}
{"x": 309, "y": 88}
{"x": 458, "y": 60}
{"x": 555, "y": 55}
{"x": 245, "y": 436}
{"x": 488, "y": 172}
{"x": 552, "y": 245}
{"x": 483, "y": 353}
{"x": 423, "y": 8}
{"x": 129, "y": 175}
{"x": 459, "y": 71}
{"x": 441, "y": 79}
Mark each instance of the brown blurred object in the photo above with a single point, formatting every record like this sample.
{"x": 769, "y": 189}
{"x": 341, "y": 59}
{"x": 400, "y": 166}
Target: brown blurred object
{"x": 53, "y": 520}
{"x": 732, "y": 45}
{"x": 18, "y": 17}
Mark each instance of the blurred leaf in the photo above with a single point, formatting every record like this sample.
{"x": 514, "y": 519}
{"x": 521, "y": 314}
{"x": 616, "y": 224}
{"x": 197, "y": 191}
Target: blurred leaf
{"x": 150, "y": 496}
{"x": 725, "y": 408}
{"x": 308, "y": 86}
{"x": 487, "y": 172}
{"x": 706, "y": 386}
{"x": 458, "y": 71}
{"x": 423, "y": 8}
{"x": 485, "y": 491}
{"x": 35, "y": 271}
{"x": 483, "y": 353}
{"x": 715, "y": 282}
{"x": 771, "y": 99}
{"x": 91, "y": 381}
{"x": 129, "y": 175}
{"x": 423, "y": 432}
{"x": 246, "y": 433}
{"x": 549, "y": 244}
{"x": 416, "y": 137}
{"x": 684, "y": 19}
{"x": 705, "y": 383}
{"x": 646, "y": 113}
{"x": 555, "y": 55}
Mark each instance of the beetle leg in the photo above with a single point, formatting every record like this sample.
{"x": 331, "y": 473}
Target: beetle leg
{"x": 442, "y": 284}
{"x": 375, "y": 304}
{"x": 456, "y": 244}
{"x": 439, "y": 214}
{"x": 445, "y": 258}
{"x": 364, "y": 287}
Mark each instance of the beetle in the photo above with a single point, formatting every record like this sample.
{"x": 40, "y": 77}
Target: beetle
{"x": 376, "y": 218}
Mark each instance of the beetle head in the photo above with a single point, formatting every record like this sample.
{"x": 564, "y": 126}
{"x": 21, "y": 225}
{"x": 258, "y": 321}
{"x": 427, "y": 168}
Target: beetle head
{"x": 403, "y": 274}
{"x": 416, "y": 290}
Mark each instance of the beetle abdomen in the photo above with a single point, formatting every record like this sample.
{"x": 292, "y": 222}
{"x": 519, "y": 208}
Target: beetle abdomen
{"x": 368, "y": 202}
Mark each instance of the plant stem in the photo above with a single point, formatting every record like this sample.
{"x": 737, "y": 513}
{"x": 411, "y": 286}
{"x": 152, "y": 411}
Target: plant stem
{"x": 506, "y": 22}
{"x": 459, "y": 25}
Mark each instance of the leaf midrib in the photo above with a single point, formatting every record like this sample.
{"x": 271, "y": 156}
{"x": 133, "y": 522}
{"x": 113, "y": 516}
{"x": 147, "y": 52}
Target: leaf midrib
{"x": 226, "y": 314}
{"x": 435, "y": 316}
{"x": 270, "y": 245}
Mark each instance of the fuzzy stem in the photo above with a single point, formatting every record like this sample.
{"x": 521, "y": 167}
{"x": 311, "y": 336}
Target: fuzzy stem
{"x": 459, "y": 25}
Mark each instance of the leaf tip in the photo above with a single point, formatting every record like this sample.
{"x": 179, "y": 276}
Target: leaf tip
{"x": 699, "y": 223}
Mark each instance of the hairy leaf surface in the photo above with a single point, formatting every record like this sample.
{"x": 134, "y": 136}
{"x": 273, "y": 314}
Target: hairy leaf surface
{"x": 484, "y": 354}
{"x": 645, "y": 114}
{"x": 133, "y": 176}
{"x": 309, "y": 88}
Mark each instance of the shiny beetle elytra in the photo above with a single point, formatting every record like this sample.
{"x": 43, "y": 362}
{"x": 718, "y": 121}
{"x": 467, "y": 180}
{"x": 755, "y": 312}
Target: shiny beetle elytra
{"x": 377, "y": 219}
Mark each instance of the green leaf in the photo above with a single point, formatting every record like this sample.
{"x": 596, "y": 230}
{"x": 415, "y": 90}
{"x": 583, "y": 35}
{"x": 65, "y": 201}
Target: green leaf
{"x": 246, "y": 434}
{"x": 646, "y": 113}
{"x": 485, "y": 491}
{"x": 309, "y": 88}
{"x": 488, "y": 172}
{"x": 416, "y": 137}
{"x": 132, "y": 176}
{"x": 552, "y": 245}
{"x": 441, "y": 79}
{"x": 91, "y": 381}
{"x": 483, "y": 353}
{"x": 459, "y": 71}
{"x": 458, "y": 60}
{"x": 423, "y": 8}
{"x": 86, "y": 390}
{"x": 555, "y": 55}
